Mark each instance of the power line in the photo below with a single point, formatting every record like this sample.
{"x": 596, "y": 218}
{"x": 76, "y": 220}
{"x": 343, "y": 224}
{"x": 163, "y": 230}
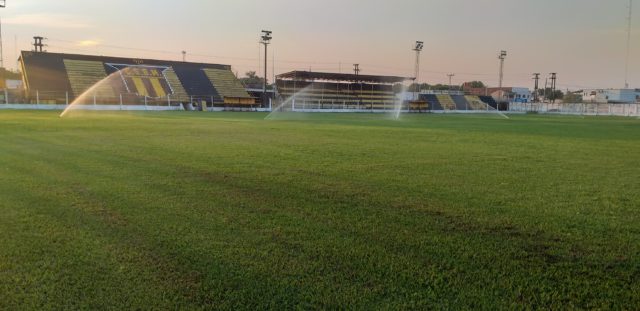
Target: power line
{"x": 245, "y": 61}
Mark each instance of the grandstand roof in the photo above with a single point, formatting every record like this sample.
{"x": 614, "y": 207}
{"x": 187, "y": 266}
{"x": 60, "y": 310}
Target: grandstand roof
{"x": 27, "y": 55}
{"x": 308, "y": 75}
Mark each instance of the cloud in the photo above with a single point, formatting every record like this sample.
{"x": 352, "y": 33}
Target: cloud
{"x": 88, "y": 43}
{"x": 47, "y": 20}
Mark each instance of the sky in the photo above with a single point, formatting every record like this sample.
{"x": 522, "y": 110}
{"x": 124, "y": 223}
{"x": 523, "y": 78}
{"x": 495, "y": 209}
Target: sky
{"x": 584, "y": 41}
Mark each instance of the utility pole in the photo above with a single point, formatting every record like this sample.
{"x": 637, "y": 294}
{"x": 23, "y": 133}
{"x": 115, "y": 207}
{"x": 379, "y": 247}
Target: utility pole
{"x": 37, "y": 44}
{"x": 451, "y": 75}
{"x": 502, "y": 57}
{"x": 536, "y": 77}
{"x": 184, "y": 56}
{"x": 626, "y": 74}
{"x": 266, "y": 40}
{"x": 553, "y": 86}
{"x": 356, "y": 69}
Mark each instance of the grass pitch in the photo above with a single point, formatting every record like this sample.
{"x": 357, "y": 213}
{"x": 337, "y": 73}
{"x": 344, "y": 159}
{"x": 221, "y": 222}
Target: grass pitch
{"x": 229, "y": 211}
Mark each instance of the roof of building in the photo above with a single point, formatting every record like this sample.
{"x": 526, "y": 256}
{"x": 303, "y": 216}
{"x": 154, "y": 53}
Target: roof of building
{"x": 308, "y": 75}
{"x": 116, "y": 60}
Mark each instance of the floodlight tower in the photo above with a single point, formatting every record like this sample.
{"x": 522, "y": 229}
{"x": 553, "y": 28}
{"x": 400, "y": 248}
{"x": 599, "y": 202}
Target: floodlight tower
{"x": 418, "y": 48}
{"x": 502, "y": 56}
{"x": 3, "y": 3}
{"x": 1, "y": 47}
{"x": 184, "y": 56}
{"x": 626, "y": 74}
{"x": 266, "y": 40}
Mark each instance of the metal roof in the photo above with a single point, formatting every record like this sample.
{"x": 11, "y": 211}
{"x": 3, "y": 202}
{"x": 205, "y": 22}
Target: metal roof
{"x": 308, "y": 75}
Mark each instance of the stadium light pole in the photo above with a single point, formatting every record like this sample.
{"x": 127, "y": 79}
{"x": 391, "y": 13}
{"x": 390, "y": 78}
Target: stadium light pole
{"x": 3, "y": 3}
{"x": 502, "y": 57}
{"x": 418, "y": 48}
{"x": 626, "y": 73}
{"x": 266, "y": 40}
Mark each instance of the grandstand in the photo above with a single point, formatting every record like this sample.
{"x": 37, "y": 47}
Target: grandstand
{"x": 457, "y": 101}
{"x": 61, "y": 78}
{"x": 317, "y": 90}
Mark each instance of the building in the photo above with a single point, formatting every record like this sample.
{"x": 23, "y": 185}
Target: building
{"x": 58, "y": 78}
{"x": 614, "y": 96}
{"x": 321, "y": 90}
{"x": 504, "y": 94}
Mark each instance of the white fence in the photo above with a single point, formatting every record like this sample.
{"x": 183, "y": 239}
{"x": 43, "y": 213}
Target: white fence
{"x": 590, "y": 109}
{"x": 88, "y": 107}
{"x": 120, "y": 108}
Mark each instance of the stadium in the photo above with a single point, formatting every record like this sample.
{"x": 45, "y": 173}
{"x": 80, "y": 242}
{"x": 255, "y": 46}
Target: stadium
{"x": 56, "y": 80}
{"x": 53, "y": 78}
{"x": 61, "y": 79}
{"x": 135, "y": 175}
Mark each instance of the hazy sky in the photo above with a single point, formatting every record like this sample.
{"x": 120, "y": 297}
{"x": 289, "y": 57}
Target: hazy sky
{"x": 583, "y": 40}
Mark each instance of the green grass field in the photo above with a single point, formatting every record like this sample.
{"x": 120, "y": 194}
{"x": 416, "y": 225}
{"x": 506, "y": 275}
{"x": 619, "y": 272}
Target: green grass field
{"x": 229, "y": 211}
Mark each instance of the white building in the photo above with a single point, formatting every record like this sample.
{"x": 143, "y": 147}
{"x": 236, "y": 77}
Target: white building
{"x": 614, "y": 96}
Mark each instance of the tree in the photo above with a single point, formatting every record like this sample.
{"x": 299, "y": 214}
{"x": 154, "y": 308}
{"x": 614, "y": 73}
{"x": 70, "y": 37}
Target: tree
{"x": 551, "y": 95}
{"x": 572, "y": 98}
{"x": 475, "y": 84}
{"x": 251, "y": 79}
{"x": 9, "y": 75}
{"x": 414, "y": 87}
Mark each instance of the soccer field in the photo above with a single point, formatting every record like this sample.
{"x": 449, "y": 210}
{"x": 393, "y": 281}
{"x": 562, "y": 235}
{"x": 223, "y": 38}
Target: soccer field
{"x": 109, "y": 210}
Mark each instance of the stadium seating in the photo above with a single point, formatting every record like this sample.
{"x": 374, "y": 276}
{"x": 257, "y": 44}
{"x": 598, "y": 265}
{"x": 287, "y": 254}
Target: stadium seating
{"x": 179, "y": 93}
{"x": 226, "y": 83}
{"x": 446, "y": 102}
{"x": 85, "y": 74}
{"x": 475, "y": 103}
{"x": 322, "y": 95}
{"x": 489, "y": 101}
{"x": 432, "y": 100}
{"x": 196, "y": 83}
{"x": 460, "y": 102}
{"x": 50, "y": 77}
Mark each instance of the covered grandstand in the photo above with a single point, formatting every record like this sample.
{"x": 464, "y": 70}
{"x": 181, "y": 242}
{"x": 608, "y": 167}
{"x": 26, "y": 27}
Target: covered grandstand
{"x": 305, "y": 90}
{"x": 56, "y": 78}
{"x": 320, "y": 91}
